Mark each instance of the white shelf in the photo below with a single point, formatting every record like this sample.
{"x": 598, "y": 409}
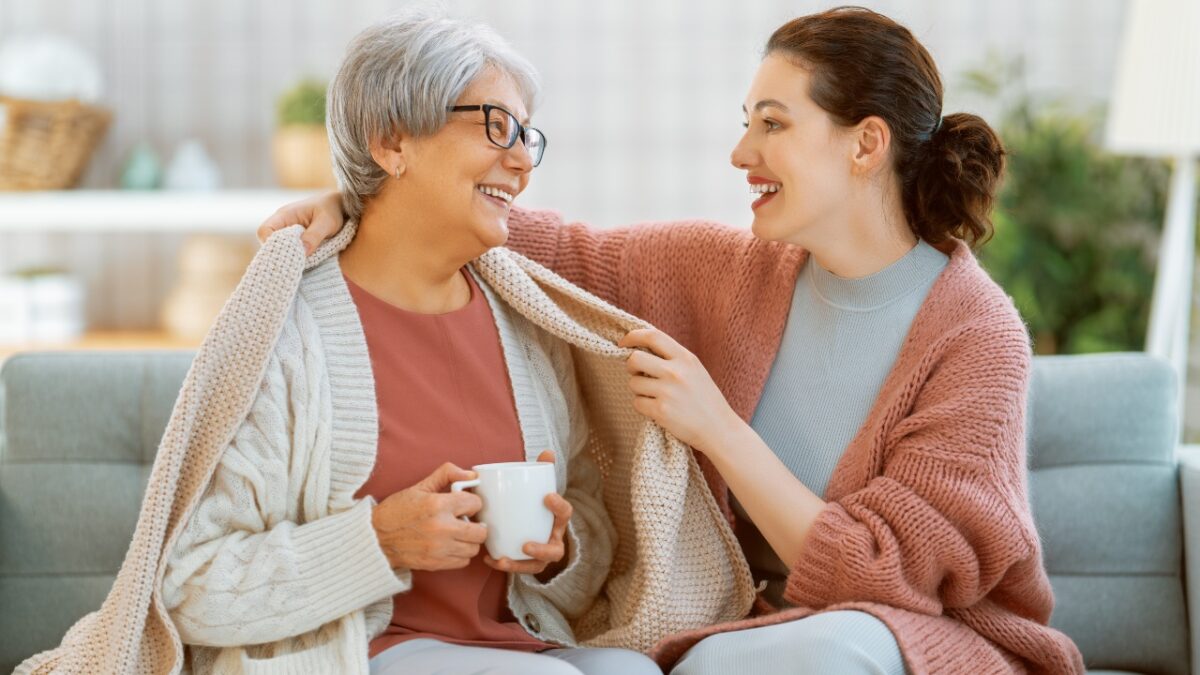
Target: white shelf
{"x": 231, "y": 211}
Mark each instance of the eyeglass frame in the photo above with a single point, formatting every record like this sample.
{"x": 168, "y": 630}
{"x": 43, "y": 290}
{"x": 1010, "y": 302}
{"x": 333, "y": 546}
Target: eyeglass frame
{"x": 522, "y": 130}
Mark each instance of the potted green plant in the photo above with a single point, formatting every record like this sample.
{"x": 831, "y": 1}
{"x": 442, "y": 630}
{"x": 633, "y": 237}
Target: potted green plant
{"x": 1076, "y": 228}
{"x": 300, "y": 147}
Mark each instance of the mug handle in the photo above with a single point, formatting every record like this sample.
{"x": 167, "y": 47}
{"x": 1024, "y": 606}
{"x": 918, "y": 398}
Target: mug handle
{"x": 459, "y": 486}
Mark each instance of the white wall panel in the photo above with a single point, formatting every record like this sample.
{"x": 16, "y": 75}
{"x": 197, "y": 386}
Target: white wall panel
{"x": 641, "y": 99}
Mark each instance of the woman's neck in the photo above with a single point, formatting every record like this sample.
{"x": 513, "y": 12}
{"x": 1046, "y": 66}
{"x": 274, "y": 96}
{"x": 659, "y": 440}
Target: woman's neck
{"x": 865, "y": 241}
{"x": 393, "y": 260}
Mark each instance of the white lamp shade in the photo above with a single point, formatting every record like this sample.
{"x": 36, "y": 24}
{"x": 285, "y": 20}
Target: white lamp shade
{"x": 1155, "y": 110}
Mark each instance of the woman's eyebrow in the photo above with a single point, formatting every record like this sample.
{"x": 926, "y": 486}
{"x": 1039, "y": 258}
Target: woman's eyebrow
{"x": 768, "y": 103}
{"x": 498, "y": 104}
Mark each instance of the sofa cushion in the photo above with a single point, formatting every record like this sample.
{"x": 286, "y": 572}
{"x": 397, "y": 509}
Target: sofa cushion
{"x": 78, "y": 435}
{"x": 1105, "y": 492}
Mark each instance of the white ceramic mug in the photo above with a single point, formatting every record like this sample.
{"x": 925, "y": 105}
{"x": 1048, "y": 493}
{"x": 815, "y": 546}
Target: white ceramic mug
{"x": 513, "y": 495}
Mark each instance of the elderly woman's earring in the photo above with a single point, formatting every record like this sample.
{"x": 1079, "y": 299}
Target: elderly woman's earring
{"x": 397, "y": 173}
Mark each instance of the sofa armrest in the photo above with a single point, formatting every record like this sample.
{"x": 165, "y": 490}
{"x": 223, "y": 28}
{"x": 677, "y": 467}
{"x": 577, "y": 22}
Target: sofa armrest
{"x": 1189, "y": 484}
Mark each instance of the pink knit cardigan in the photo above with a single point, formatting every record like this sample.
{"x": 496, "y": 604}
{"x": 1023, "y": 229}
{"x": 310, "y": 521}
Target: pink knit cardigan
{"x": 928, "y": 525}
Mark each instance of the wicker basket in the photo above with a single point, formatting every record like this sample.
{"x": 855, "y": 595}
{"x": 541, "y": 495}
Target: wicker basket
{"x": 46, "y": 145}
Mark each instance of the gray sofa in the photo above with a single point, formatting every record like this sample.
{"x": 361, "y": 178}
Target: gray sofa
{"x": 78, "y": 433}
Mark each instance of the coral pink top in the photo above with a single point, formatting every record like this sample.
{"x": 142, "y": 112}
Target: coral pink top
{"x": 927, "y": 525}
{"x": 443, "y": 395}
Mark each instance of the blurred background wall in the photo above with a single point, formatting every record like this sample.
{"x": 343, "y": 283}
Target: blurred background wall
{"x": 641, "y": 106}
{"x": 641, "y": 99}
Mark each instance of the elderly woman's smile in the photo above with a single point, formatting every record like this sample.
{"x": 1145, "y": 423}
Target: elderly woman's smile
{"x": 498, "y": 195}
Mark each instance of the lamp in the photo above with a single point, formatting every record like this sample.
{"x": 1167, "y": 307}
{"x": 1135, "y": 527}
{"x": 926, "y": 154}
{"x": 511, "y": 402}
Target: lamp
{"x": 1155, "y": 112}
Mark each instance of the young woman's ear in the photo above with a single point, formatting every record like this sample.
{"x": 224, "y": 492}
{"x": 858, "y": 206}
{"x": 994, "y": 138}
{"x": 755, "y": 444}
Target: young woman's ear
{"x": 388, "y": 153}
{"x": 872, "y": 141}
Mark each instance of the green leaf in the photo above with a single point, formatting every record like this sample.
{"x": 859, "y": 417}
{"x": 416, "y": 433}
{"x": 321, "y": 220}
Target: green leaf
{"x": 1076, "y": 228}
{"x": 302, "y": 104}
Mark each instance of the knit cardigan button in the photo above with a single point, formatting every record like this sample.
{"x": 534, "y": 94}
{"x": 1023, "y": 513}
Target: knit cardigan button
{"x": 531, "y": 622}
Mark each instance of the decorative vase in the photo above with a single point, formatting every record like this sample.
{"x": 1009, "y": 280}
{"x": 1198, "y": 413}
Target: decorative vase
{"x": 301, "y": 156}
{"x": 210, "y": 267}
{"x": 142, "y": 170}
{"x": 191, "y": 168}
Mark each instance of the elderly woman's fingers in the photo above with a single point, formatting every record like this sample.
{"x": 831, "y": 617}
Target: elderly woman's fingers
{"x": 542, "y": 553}
{"x": 547, "y": 553}
{"x": 462, "y": 549}
{"x": 514, "y": 566}
{"x": 561, "y": 508}
{"x": 471, "y": 533}
{"x": 460, "y": 503}
{"x": 443, "y": 477}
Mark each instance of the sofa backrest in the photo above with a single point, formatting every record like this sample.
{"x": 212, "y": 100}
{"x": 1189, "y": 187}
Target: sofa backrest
{"x": 78, "y": 433}
{"x": 1105, "y": 490}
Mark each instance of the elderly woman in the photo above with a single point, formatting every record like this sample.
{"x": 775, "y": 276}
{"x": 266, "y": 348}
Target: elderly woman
{"x": 428, "y": 125}
{"x": 310, "y": 521}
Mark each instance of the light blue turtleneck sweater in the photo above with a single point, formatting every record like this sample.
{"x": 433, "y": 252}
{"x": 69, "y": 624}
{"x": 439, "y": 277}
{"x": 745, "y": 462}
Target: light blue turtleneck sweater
{"x": 840, "y": 342}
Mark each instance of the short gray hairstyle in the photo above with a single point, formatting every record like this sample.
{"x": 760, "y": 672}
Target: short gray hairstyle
{"x": 401, "y": 74}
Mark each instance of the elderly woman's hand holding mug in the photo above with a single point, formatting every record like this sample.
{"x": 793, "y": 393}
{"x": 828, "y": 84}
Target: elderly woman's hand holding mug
{"x": 543, "y": 555}
{"x": 419, "y": 528}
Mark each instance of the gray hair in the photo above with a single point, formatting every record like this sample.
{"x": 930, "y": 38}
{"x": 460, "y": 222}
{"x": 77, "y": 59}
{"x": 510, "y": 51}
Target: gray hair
{"x": 401, "y": 74}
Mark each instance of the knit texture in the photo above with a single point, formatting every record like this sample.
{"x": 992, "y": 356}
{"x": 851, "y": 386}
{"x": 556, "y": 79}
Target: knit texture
{"x": 928, "y": 525}
{"x": 131, "y": 633}
{"x": 676, "y": 564}
{"x": 676, "y": 561}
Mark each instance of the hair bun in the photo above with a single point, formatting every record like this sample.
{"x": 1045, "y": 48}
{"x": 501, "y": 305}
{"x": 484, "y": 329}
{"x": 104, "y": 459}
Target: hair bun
{"x": 956, "y": 184}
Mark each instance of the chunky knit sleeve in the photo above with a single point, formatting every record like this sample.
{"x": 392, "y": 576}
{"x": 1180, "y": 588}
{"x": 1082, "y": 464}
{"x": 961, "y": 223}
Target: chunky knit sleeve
{"x": 256, "y": 562}
{"x": 948, "y": 517}
{"x": 587, "y": 256}
{"x": 681, "y": 276}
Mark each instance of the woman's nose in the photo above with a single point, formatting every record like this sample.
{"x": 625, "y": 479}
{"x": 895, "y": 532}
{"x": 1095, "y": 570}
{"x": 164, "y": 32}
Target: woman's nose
{"x": 518, "y": 158}
{"x": 742, "y": 156}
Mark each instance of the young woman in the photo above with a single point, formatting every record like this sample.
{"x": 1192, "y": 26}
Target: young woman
{"x": 852, "y": 378}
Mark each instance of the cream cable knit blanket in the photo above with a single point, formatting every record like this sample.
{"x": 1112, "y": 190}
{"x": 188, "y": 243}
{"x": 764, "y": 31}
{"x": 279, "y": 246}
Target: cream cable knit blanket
{"x": 676, "y": 566}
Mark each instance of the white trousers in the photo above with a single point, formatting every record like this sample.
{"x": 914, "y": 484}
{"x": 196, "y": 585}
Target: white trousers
{"x": 425, "y": 656}
{"x": 845, "y": 643}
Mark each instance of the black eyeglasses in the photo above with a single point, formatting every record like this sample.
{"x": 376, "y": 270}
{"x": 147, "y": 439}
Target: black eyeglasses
{"x": 503, "y": 129}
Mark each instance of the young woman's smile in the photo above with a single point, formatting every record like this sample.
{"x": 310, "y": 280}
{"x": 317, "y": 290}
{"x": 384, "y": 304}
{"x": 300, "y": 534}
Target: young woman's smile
{"x": 765, "y": 188}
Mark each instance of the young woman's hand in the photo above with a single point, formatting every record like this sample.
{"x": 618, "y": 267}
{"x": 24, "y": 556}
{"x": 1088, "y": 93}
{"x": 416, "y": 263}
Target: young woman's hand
{"x": 544, "y": 555}
{"x": 321, "y": 217}
{"x": 419, "y": 527}
{"x": 673, "y": 388}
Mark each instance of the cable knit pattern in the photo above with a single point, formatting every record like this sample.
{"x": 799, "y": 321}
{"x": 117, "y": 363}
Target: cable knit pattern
{"x": 276, "y": 547}
{"x": 928, "y": 524}
{"x": 249, "y": 534}
{"x": 131, "y": 632}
